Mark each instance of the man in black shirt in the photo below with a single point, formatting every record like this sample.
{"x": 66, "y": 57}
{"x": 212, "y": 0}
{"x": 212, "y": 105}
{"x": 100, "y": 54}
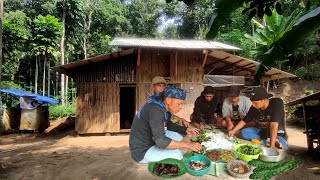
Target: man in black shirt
{"x": 153, "y": 137}
{"x": 269, "y": 116}
{"x": 204, "y": 108}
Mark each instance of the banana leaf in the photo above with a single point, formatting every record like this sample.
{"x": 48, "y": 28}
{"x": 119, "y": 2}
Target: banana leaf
{"x": 222, "y": 12}
{"x": 304, "y": 26}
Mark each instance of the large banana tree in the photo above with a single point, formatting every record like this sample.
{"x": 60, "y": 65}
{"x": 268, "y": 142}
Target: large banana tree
{"x": 290, "y": 40}
{"x": 270, "y": 31}
{"x": 284, "y": 45}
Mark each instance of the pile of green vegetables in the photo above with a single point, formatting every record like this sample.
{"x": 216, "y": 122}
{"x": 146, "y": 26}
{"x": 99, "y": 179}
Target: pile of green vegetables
{"x": 265, "y": 170}
{"x": 249, "y": 150}
{"x": 201, "y": 137}
{"x": 235, "y": 140}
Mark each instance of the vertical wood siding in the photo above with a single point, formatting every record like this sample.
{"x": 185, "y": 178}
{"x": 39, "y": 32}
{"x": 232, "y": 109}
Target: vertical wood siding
{"x": 97, "y": 108}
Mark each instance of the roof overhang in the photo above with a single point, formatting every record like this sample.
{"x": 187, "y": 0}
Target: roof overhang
{"x": 67, "y": 68}
{"x": 222, "y": 63}
{"x": 314, "y": 96}
{"x": 171, "y": 43}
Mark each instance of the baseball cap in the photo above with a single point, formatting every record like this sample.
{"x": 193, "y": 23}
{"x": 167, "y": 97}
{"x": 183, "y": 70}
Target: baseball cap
{"x": 259, "y": 93}
{"x": 174, "y": 92}
{"x": 234, "y": 91}
{"x": 209, "y": 90}
{"x": 158, "y": 80}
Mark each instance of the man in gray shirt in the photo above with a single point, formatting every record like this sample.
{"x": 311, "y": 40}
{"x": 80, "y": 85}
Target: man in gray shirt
{"x": 153, "y": 137}
{"x": 234, "y": 108}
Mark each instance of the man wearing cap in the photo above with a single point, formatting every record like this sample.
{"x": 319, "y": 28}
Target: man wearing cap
{"x": 204, "y": 108}
{"x": 159, "y": 83}
{"x": 269, "y": 116}
{"x": 149, "y": 141}
{"x": 234, "y": 108}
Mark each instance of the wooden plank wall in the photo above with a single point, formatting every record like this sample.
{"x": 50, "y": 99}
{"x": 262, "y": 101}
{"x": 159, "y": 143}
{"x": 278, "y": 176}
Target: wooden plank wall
{"x": 144, "y": 90}
{"x": 97, "y": 108}
{"x": 185, "y": 70}
{"x": 189, "y": 66}
{"x": 153, "y": 62}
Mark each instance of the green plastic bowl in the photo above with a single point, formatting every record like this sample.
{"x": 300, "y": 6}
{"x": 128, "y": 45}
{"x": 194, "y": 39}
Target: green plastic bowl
{"x": 201, "y": 158}
{"x": 246, "y": 157}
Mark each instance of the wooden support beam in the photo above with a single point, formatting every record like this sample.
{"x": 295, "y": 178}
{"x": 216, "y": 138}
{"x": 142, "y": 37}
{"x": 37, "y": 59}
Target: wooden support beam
{"x": 138, "y": 60}
{"x": 211, "y": 64}
{"x": 275, "y": 74}
{"x": 244, "y": 68}
{"x": 176, "y": 65}
{"x": 240, "y": 67}
{"x": 309, "y": 140}
{"x": 229, "y": 65}
{"x": 211, "y": 70}
{"x": 205, "y": 58}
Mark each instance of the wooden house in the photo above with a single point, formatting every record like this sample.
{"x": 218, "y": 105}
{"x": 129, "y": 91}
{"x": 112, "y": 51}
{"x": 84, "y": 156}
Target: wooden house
{"x": 112, "y": 87}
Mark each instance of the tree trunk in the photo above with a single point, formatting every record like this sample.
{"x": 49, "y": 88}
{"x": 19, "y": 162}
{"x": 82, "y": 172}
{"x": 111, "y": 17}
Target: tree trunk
{"x": 44, "y": 77}
{"x": 56, "y": 89}
{"x": 63, "y": 96}
{"x": 73, "y": 93}
{"x": 85, "y": 46}
{"x": 36, "y": 77}
{"x": 87, "y": 26}
{"x": 1, "y": 110}
{"x": 48, "y": 79}
{"x": 67, "y": 84}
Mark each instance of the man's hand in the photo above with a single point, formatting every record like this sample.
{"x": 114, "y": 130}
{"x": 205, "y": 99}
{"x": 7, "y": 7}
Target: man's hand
{"x": 192, "y": 131}
{"x": 230, "y": 133}
{"x": 201, "y": 126}
{"x": 184, "y": 122}
{"x": 276, "y": 145}
{"x": 230, "y": 126}
{"x": 194, "y": 146}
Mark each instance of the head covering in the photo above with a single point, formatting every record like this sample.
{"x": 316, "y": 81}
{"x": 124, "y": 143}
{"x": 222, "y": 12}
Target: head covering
{"x": 259, "y": 93}
{"x": 209, "y": 90}
{"x": 174, "y": 92}
{"x": 234, "y": 91}
{"x": 158, "y": 80}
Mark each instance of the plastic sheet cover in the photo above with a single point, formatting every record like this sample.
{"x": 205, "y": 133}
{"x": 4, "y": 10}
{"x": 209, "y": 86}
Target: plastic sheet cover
{"x": 223, "y": 80}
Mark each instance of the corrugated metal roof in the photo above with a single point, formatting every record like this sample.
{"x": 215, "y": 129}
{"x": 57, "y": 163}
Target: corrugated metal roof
{"x": 240, "y": 66}
{"x": 170, "y": 43}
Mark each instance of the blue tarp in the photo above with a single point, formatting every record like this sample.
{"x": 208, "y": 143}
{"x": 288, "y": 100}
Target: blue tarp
{"x": 36, "y": 97}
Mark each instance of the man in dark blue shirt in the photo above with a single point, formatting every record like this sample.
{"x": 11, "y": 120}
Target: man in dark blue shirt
{"x": 153, "y": 137}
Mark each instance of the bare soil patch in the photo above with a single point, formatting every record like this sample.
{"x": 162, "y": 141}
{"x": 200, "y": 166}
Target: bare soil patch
{"x": 69, "y": 156}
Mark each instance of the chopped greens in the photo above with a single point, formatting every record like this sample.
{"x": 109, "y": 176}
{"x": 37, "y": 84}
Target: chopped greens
{"x": 249, "y": 150}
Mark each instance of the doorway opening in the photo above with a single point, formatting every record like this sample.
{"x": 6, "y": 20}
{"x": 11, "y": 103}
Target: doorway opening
{"x": 127, "y": 105}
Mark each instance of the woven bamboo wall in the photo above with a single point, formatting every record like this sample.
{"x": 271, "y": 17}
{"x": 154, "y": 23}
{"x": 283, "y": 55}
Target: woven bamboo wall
{"x": 97, "y": 108}
{"x": 121, "y": 70}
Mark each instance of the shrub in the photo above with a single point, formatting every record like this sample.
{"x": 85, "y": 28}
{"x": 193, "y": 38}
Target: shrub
{"x": 62, "y": 111}
{"x": 310, "y": 73}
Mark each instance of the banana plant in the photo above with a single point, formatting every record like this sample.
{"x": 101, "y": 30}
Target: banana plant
{"x": 275, "y": 27}
{"x": 286, "y": 44}
{"x": 224, "y": 8}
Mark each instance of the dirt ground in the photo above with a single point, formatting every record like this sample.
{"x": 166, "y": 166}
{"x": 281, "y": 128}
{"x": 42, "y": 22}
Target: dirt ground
{"x": 69, "y": 156}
